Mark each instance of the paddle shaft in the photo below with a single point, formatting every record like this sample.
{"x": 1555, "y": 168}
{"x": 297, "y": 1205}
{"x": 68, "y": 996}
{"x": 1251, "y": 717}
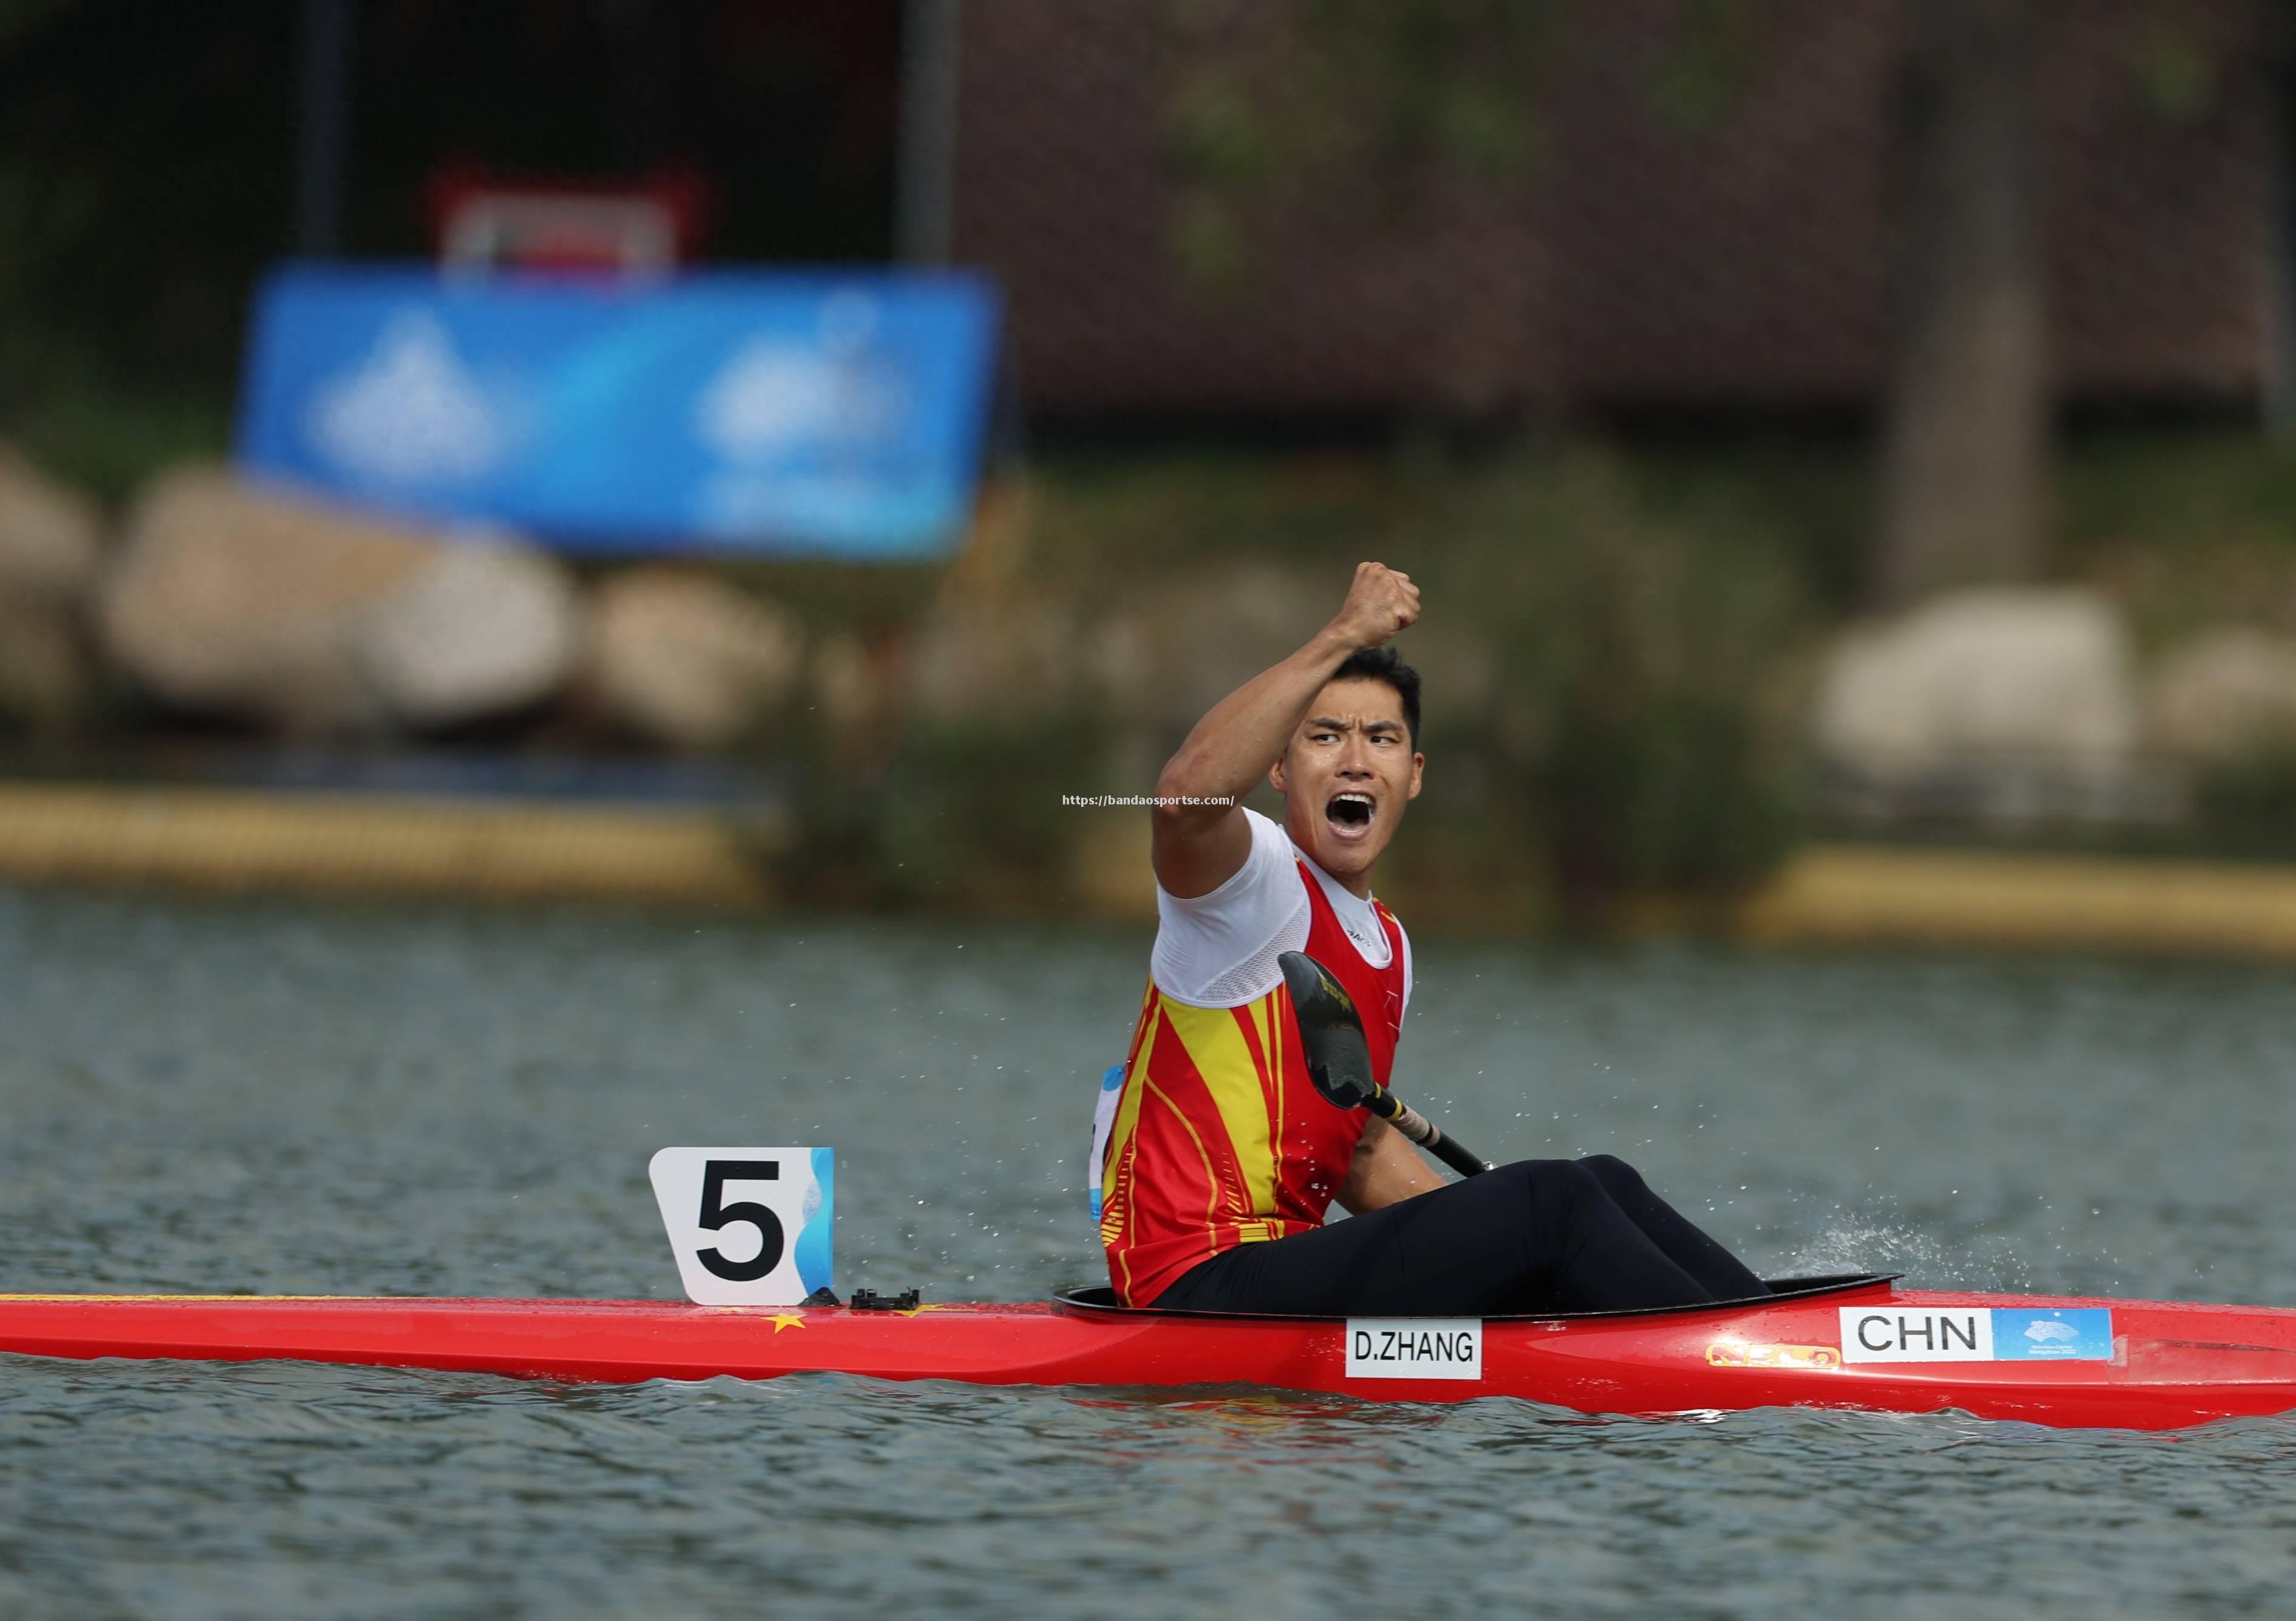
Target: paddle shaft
{"x": 1426, "y": 1133}
{"x": 1339, "y": 1060}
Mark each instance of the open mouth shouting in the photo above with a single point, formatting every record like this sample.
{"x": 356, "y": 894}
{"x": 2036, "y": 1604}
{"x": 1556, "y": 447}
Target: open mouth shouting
{"x": 1349, "y": 813}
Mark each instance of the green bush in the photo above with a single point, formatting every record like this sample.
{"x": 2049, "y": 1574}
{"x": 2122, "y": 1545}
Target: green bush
{"x": 962, "y": 817}
{"x": 2245, "y": 808}
{"x": 1607, "y": 715}
{"x": 1639, "y": 733}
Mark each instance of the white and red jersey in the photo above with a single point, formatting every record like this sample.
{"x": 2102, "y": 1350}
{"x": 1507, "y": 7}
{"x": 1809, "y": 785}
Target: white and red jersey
{"x": 1212, "y": 1134}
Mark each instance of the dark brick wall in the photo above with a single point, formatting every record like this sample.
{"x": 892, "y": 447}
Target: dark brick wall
{"x": 1642, "y": 257}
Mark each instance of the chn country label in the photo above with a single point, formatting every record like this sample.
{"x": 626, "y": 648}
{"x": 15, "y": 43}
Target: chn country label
{"x": 1903, "y": 1333}
{"x": 1976, "y": 1334}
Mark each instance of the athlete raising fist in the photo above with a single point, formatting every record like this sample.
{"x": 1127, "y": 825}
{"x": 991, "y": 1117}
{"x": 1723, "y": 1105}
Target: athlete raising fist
{"x": 1214, "y": 1156}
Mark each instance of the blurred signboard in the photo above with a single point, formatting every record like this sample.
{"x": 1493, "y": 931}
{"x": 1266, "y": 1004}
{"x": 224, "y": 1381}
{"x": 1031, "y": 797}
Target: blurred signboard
{"x": 816, "y": 413}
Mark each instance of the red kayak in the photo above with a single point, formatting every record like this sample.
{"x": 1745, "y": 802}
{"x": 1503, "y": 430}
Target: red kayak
{"x": 1858, "y": 1343}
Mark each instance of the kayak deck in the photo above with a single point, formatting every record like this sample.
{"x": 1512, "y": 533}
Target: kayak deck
{"x": 1857, "y": 1343}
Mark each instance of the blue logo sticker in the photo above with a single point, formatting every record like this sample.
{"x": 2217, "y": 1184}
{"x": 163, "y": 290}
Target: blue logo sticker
{"x": 813, "y": 1252}
{"x": 2065, "y": 1334}
{"x": 1103, "y": 1117}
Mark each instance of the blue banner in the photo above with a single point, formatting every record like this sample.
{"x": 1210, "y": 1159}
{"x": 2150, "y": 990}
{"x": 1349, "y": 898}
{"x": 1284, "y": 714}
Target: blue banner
{"x": 822, "y": 414}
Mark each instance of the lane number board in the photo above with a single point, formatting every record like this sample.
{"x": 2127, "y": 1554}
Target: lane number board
{"x": 748, "y": 1226}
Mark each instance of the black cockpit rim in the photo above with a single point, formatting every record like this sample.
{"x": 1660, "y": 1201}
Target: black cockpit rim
{"x": 1099, "y": 1301}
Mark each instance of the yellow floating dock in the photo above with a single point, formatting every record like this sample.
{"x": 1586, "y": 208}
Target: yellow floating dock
{"x": 220, "y": 839}
{"x": 1845, "y": 893}
{"x": 245, "y": 840}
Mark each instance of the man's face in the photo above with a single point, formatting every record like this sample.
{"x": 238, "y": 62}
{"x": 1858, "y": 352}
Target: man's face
{"x": 1346, "y": 776}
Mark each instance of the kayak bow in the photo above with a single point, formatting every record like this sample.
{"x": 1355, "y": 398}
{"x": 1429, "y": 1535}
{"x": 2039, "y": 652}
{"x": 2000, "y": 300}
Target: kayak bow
{"x": 1855, "y": 1343}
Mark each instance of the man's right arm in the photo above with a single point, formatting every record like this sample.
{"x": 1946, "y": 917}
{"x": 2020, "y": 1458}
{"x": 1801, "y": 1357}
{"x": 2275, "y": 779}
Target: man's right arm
{"x": 1199, "y": 846}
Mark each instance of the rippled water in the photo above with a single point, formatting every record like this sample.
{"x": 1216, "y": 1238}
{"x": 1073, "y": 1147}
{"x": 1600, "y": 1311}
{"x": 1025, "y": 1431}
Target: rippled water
{"x": 307, "y": 1099}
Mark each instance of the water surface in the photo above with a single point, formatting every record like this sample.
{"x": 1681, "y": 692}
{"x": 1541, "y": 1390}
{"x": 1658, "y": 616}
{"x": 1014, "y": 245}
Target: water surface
{"x": 307, "y": 1099}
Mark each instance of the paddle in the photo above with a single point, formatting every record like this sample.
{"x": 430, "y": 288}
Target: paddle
{"x": 1339, "y": 1061}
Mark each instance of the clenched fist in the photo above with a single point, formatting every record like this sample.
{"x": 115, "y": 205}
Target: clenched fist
{"x": 1381, "y": 602}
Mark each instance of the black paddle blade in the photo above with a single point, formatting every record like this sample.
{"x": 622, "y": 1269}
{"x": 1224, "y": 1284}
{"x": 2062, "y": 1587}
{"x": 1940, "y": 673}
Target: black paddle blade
{"x": 1331, "y": 1032}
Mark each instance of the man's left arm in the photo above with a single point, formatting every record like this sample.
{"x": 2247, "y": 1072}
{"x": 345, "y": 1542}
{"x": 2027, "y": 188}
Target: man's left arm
{"x": 1386, "y": 1168}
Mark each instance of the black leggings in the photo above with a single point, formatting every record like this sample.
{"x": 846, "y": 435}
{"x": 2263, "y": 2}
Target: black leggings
{"x": 1540, "y": 1235}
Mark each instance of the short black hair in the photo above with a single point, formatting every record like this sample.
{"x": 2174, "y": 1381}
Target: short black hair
{"x": 1385, "y": 664}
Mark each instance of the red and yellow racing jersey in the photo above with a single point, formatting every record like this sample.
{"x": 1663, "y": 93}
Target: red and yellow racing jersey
{"x": 1219, "y": 1137}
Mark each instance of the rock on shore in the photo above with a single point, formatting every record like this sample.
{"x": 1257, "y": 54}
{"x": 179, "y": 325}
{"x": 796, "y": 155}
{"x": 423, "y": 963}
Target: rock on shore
{"x": 688, "y": 661}
{"x": 487, "y": 625}
{"x": 2006, "y": 674}
{"x": 51, "y": 538}
{"x": 233, "y": 598}
{"x": 50, "y": 550}
{"x": 1186, "y": 646}
{"x": 2226, "y": 692}
{"x": 1004, "y": 660}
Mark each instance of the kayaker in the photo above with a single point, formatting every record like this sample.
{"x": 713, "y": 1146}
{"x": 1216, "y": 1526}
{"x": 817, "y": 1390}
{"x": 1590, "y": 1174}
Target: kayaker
{"x": 1215, "y": 1158}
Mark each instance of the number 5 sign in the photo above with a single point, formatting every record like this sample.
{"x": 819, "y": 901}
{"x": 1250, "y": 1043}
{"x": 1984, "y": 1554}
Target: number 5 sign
{"x": 749, "y": 1226}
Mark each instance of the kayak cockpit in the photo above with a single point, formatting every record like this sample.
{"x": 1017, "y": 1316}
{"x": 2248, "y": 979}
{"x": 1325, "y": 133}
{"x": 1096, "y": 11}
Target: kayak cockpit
{"x": 1099, "y": 1301}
